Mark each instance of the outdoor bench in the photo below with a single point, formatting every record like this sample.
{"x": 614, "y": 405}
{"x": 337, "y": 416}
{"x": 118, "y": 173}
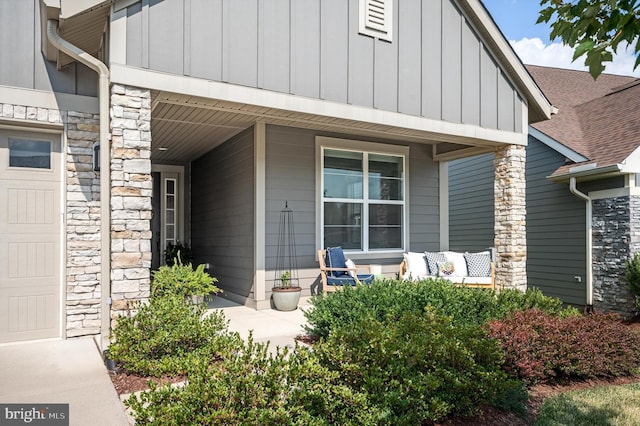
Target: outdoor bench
{"x": 466, "y": 269}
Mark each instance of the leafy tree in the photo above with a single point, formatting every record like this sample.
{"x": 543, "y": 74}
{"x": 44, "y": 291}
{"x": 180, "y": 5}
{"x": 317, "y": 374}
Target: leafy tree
{"x": 594, "y": 27}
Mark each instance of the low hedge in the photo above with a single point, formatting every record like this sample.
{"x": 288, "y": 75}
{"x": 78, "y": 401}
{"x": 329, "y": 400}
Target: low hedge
{"x": 251, "y": 387}
{"x": 467, "y": 306}
{"x": 541, "y": 348}
{"x": 416, "y": 368}
{"x": 168, "y": 336}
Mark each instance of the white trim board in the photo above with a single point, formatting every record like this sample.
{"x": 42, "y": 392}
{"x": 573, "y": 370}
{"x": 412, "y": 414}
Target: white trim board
{"x": 50, "y": 100}
{"x": 434, "y": 129}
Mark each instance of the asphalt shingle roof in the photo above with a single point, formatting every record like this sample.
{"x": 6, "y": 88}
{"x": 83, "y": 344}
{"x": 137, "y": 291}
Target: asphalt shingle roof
{"x": 599, "y": 119}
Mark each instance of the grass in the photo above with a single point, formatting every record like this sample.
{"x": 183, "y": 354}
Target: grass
{"x": 602, "y": 406}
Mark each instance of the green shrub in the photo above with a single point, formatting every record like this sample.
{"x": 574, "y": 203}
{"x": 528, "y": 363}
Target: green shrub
{"x": 168, "y": 335}
{"x": 182, "y": 280}
{"x": 632, "y": 276}
{"x": 540, "y": 347}
{"x": 420, "y": 367}
{"x": 251, "y": 387}
{"x": 464, "y": 304}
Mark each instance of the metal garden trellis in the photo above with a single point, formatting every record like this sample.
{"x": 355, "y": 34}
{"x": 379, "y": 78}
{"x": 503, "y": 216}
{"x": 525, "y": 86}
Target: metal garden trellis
{"x": 286, "y": 272}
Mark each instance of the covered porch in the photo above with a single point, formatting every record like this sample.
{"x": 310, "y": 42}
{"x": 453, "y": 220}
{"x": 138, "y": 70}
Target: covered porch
{"x": 215, "y": 173}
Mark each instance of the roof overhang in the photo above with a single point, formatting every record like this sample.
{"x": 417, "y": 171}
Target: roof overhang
{"x": 83, "y": 23}
{"x": 591, "y": 171}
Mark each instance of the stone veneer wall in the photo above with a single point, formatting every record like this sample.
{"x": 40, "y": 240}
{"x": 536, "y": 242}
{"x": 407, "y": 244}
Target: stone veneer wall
{"x": 616, "y": 235}
{"x": 510, "y": 217}
{"x": 82, "y": 301}
{"x": 131, "y": 191}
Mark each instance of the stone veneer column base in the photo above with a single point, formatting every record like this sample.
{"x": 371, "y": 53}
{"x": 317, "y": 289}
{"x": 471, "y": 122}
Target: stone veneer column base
{"x": 616, "y": 236}
{"x": 131, "y": 191}
{"x": 510, "y": 217}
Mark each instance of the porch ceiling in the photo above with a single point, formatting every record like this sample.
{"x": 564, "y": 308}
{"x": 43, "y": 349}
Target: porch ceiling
{"x": 185, "y": 127}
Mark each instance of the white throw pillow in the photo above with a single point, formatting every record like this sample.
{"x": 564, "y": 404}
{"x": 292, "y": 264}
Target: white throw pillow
{"x": 349, "y": 264}
{"x": 459, "y": 263}
{"x": 416, "y": 265}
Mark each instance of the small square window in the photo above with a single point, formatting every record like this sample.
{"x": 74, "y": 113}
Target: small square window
{"x": 29, "y": 153}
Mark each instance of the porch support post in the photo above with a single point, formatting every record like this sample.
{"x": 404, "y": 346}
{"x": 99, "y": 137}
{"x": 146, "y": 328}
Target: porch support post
{"x": 510, "y": 217}
{"x": 131, "y": 191}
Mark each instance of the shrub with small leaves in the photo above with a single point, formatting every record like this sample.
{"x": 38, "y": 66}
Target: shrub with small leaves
{"x": 465, "y": 305}
{"x": 251, "y": 387}
{"x": 420, "y": 367}
{"x": 170, "y": 336}
{"x": 540, "y": 347}
{"x": 632, "y": 275}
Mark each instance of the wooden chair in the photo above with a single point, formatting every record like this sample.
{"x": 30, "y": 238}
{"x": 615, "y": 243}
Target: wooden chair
{"x": 339, "y": 274}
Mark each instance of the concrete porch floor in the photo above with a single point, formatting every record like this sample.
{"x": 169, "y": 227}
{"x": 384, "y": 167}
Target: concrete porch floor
{"x": 278, "y": 328}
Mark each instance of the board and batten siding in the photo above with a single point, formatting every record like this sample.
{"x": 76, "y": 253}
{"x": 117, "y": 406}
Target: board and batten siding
{"x": 436, "y": 66}
{"x": 556, "y": 230}
{"x": 223, "y": 213}
{"x": 22, "y": 64}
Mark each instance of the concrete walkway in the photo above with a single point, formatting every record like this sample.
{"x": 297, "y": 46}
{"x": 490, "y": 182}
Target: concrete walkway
{"x": 72, "y": 371}
{"x": 61, "y": 371}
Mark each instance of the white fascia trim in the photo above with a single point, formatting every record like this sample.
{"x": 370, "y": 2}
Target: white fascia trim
{"x": 50, "y": 100}
{"x": 557, "y": 146}
{"x": 460, "y": 153}
{"x": 588, "y": 174}
{"x": 437, "y": 130}
{"x": 533, "y": 92}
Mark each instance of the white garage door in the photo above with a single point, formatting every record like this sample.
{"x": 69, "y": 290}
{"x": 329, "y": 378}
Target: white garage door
{"x": 30, "y": 236}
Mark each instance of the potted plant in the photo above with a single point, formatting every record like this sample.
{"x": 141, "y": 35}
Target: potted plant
{"x": 285, "y": 295}
{"x": 183, "y": 280}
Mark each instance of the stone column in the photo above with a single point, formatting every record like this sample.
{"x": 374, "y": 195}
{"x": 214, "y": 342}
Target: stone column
{"x": 615, "y": 239}
{"x": 131, "y": 191}
{"x": 510, "y": 217}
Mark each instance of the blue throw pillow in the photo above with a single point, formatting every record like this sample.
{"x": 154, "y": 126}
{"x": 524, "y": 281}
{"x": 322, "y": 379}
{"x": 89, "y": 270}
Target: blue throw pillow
{"x": 336, "y": 259}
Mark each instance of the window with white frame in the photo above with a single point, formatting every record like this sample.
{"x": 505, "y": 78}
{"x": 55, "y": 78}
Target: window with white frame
{"x": 363, "y": 200}
{"x": 375, "y": 18}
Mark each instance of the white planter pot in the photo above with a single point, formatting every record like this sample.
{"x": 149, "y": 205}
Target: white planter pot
{"x": 286, "y": 299}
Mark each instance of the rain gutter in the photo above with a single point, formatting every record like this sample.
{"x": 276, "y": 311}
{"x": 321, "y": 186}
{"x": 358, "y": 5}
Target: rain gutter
{"x": 574, "y": 190}
{"x": 105, "y": 178}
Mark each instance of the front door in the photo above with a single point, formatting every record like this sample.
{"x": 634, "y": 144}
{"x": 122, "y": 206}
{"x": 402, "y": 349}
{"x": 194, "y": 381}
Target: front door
{"x": 30, "y": 236}
{"x": 168, "y": 207}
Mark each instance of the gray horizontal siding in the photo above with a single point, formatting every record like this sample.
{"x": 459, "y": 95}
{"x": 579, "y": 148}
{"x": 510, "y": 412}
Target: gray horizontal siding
{"x": 436, "y": 66}
{"x": 21, "y": 61}
{"x": 222, "y": 218}
{"x": 556, "y": 244}
{"x": 471, "y": 209}
{"x": 556, "y": 230}
{"x": 291, "y": 177}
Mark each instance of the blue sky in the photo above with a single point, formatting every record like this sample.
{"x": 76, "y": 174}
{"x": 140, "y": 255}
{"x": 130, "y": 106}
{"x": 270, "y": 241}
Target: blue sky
{"x": 517, "y": 21}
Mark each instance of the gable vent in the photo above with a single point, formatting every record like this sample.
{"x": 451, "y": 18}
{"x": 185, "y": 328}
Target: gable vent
{"x": 376, "y": 18}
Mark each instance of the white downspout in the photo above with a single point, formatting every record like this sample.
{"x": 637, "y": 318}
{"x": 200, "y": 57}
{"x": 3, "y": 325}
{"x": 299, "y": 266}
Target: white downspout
{"x": 574, "y": 190}
{"x": 105, "y": 175}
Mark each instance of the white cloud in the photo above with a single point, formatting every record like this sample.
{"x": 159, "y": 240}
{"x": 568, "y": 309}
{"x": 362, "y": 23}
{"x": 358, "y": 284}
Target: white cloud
{"x": 534, "y": 52}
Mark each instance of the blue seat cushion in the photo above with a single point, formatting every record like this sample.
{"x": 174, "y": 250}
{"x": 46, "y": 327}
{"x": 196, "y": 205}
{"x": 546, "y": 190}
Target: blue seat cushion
{"x": 335, "y": 259}
{"x": 348, "y": 280}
